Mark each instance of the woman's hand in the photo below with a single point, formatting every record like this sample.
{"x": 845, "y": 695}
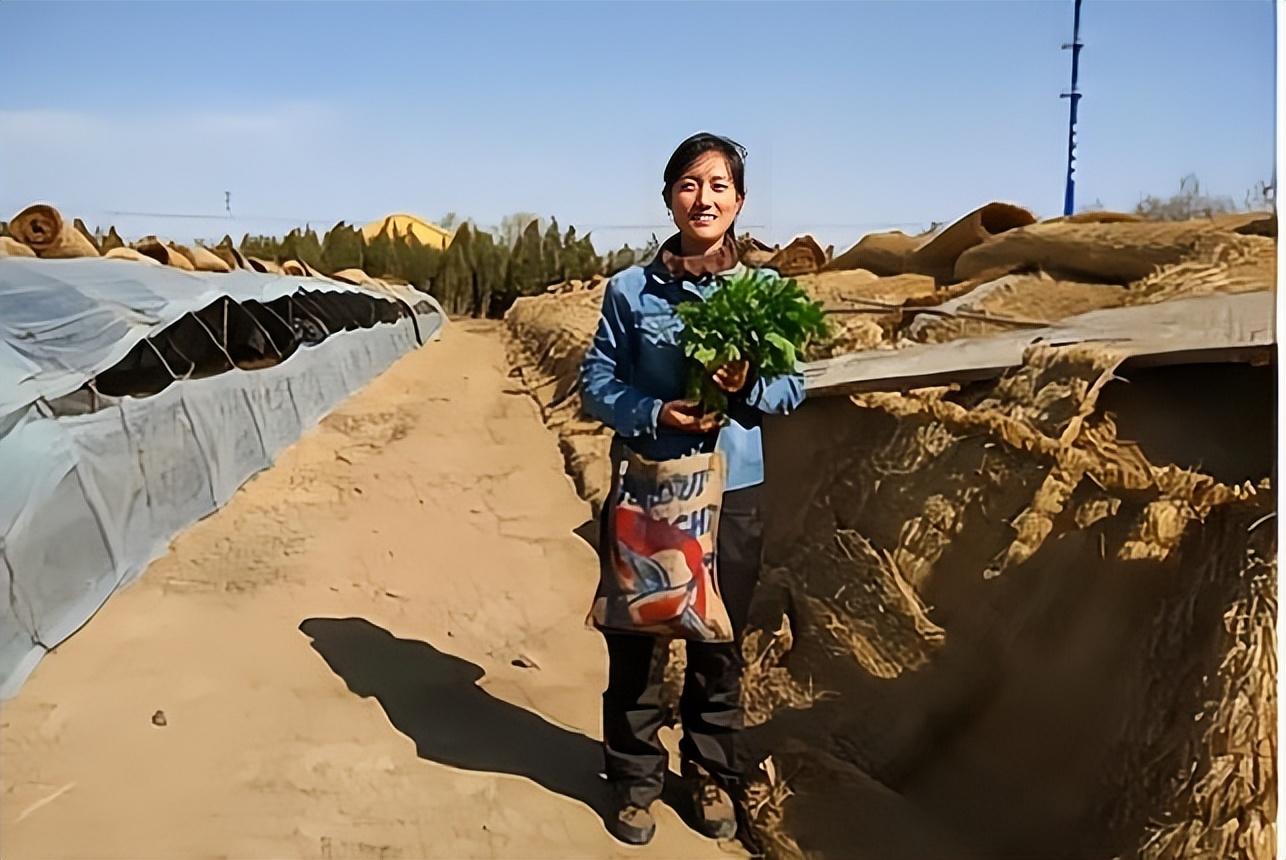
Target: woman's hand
{"x": 686, "y": 415}
{"x": 732, "y": 376}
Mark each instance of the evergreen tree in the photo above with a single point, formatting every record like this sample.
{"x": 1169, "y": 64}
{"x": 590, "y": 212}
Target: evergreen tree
{"x": 489, "y": 272}
{"x": 571, "y": 255}
{"x": 301, "y": 245}
{"x": 310, "y": 249}
{"x": 580, "y": 260}
{"x": 551, "y": 256}
{"x": 453, "y": 286}
{"x": 527, "y": 267}
{"x": 512, "y": 226}
{"x": 289, "y": 247}
{"x": 591, "y": 262}
{"x": 342, "y": 249}
{"x": 379, "y": 258}
{"x": 620, "y": 260}
{"x": 263, "y": 247}
{"x": 416, "y": 262}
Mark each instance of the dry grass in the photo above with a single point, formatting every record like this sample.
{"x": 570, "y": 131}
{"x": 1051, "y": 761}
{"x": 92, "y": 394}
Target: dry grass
{"x": 766, "y": 684}
{"x": 765, "y": 801}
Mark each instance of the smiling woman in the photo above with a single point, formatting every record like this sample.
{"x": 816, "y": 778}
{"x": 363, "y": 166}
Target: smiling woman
{"x": 705, "y": 188}
{"x": 634, "y": 379}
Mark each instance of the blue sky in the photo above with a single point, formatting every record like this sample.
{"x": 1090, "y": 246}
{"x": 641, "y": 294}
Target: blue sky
{"x": 858, "y": 116}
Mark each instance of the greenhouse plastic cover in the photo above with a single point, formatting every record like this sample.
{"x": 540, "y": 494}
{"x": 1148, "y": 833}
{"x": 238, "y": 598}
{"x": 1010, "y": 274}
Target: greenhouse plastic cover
{"x": 64, "y": 321}
{"x": 89, "y": 500}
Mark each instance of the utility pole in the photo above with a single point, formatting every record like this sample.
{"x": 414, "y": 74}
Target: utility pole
{"x": 1074, "y": 96}
{"x": 227, "y": 202}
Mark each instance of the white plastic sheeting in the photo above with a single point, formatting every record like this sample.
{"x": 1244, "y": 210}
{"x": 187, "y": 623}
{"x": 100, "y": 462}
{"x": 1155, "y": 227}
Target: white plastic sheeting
{"x": 87, "y": 501}
{"x": 64, "y": 321}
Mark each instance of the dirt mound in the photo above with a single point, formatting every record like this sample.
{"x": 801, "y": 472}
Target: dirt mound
{"x": 1039, "y": 610}
{"x": 990, "y": 580}
{"x": 546, "y": 339}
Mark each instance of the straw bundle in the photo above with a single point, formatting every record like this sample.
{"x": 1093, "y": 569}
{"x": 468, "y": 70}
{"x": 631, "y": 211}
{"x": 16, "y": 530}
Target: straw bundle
{"x": 231, "y": 256}
{"x": 882, "y": 253}
{"x": 1116, "y": 252}
{"x": 13, "y": 248}
{"x": 300, "y": 269}
{"x": 803, "y": 256}
{"x": 937, "y": 257}
{"x": 356, "y": 277}
{"x": 110, "y": 241}
{"x": 753, "y": 252}
{"x": 1248, "y": 223}
{"x": 933, "y": 254}
{"x": 43, "y": 229}
{"x": 203, "y": 259}
{"x": 124, "y": 253}
{"x": 260, "y": 265}
{"x": 80, "y": 228}
{"x": 164, "y": 254}
{"x": 1102, "y": 217}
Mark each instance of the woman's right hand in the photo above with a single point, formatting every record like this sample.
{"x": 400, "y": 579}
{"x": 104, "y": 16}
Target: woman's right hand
{"x": 686, "y": 415}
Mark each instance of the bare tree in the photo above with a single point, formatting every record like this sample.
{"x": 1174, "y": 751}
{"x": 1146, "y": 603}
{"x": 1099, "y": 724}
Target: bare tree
{"x": 1188, "y": 203}
{"x": 512, "y": 226}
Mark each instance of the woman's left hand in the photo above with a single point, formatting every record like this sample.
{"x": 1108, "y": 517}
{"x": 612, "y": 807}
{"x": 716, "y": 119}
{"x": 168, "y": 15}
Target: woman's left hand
{"x": 732, "y": 376}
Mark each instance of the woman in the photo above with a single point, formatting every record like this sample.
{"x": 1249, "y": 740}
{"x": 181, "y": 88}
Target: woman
{"x": 633, "y": 379}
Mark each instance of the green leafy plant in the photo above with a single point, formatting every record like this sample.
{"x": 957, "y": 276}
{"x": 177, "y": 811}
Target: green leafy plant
{"x": 754, "y": 315}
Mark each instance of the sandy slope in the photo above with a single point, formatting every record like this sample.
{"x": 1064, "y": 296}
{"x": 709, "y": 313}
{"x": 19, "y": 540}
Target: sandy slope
{"x": 334, "y": 656}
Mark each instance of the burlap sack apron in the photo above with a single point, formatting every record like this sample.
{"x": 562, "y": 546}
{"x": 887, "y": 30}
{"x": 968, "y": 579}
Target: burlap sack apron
{"x": 658, "y": 570}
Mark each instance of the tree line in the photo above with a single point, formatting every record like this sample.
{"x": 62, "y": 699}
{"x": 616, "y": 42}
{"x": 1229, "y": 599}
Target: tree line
{"x": 478, "y": 274}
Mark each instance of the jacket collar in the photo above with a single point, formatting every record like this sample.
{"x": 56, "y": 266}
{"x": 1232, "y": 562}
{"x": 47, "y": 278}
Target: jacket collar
{"x": 670, "y": 265}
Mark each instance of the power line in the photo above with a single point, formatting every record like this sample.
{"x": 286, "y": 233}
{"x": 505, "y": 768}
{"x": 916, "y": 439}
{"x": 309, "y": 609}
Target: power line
{"x": 199, "y": 216}
{"x": 229, "y": 218}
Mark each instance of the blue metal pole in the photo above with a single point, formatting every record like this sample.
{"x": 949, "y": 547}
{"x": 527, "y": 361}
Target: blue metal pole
{"x": 1074, "y": 96}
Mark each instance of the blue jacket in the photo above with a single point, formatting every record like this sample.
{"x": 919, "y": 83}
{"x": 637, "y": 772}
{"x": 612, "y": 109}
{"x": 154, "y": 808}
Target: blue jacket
{"x": 635, "y": 364}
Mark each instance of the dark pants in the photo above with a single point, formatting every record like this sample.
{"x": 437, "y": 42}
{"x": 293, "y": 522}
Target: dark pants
{"x": 710, "y": 707}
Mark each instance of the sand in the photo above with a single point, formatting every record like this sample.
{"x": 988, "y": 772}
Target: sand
{"x": 334, "y": 655}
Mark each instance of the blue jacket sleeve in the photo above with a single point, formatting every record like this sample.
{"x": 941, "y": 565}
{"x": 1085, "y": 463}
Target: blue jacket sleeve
{"x": 779, "y": 395}
{"x": 605, "y": 391}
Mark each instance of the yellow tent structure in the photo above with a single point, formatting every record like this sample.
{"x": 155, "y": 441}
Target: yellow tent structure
{"x": 428, "y": 234}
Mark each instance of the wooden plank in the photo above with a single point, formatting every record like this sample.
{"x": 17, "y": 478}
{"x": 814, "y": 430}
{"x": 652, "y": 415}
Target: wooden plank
{"x": 1236, "y": 327}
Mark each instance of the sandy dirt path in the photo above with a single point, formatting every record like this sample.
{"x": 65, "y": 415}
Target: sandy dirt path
{"x": 376, "y": 650}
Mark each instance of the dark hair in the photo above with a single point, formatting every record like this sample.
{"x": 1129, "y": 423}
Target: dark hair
{"x": 695, "y": 147}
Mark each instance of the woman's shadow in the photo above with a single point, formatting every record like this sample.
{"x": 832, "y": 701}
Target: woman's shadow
{"x": 433, "y": 699}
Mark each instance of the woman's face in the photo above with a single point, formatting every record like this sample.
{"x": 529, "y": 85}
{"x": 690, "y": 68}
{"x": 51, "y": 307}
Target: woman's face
{"x": 705, "y": 202}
